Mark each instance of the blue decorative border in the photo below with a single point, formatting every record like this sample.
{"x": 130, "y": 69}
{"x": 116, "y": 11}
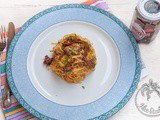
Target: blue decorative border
{"x": 104, "y": 116}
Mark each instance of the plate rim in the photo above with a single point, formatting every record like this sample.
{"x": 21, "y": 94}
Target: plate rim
{"x": 109, "y": 113}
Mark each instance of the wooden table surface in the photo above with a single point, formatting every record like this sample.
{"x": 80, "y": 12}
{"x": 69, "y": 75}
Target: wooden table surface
{"x": 18, "y": 11}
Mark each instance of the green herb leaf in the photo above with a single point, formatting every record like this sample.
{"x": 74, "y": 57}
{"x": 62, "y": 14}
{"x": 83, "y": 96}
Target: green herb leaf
{"x": 83, "y": 87}
{"x": 86, "y": 42}
{"x": 82, "y": 47}
{"x": 68, "y": 72}
{"x": 60, "y": 61}
{"x": 70, "y": 38}
{"x": 67, "y": 60}
{"x": 73, "y": 49}
{"x": 63, "y": 47}
{"x": 90, "y": 53}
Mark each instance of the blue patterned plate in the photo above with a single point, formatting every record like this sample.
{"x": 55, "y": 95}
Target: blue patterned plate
{"x": 102, "y": 94}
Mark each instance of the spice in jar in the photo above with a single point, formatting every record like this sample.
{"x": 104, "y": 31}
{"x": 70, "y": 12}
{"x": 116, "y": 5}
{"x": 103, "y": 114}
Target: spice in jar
{"x": 146, "y": 20}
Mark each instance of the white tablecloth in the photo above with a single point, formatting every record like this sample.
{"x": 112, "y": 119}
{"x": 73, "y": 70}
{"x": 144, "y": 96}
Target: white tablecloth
{"x": 18, "y": 11}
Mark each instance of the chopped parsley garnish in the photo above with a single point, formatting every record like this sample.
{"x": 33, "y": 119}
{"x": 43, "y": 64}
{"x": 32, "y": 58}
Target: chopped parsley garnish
{"x": 82, "y": 47}
{"x": 59, "y": 60}
{"x": 90, "y": 53}
{"x": 63, "y": 47}
{"x": 70, "y": 38}
{"x": 73, "y": 49}
{"x": 67, "y": 60}
{"x": 86, "y": 42}
{"x": 68, "y": 72}
{"x": 83, "y": 87}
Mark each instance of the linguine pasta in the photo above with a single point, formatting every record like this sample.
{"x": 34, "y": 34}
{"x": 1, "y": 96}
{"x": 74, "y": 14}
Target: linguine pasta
{"x": 73, "y": 58}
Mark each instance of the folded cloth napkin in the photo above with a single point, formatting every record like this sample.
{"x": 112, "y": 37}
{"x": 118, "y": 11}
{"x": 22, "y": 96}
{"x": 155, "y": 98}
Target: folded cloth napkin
{"x": 16, "y": 111}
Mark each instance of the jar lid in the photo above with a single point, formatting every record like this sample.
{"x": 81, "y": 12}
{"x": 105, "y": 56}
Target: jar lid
{"x": 149, "y": 9}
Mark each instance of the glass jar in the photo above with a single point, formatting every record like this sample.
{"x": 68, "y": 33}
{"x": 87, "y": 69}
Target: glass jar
{"x": 145, "y": 24}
